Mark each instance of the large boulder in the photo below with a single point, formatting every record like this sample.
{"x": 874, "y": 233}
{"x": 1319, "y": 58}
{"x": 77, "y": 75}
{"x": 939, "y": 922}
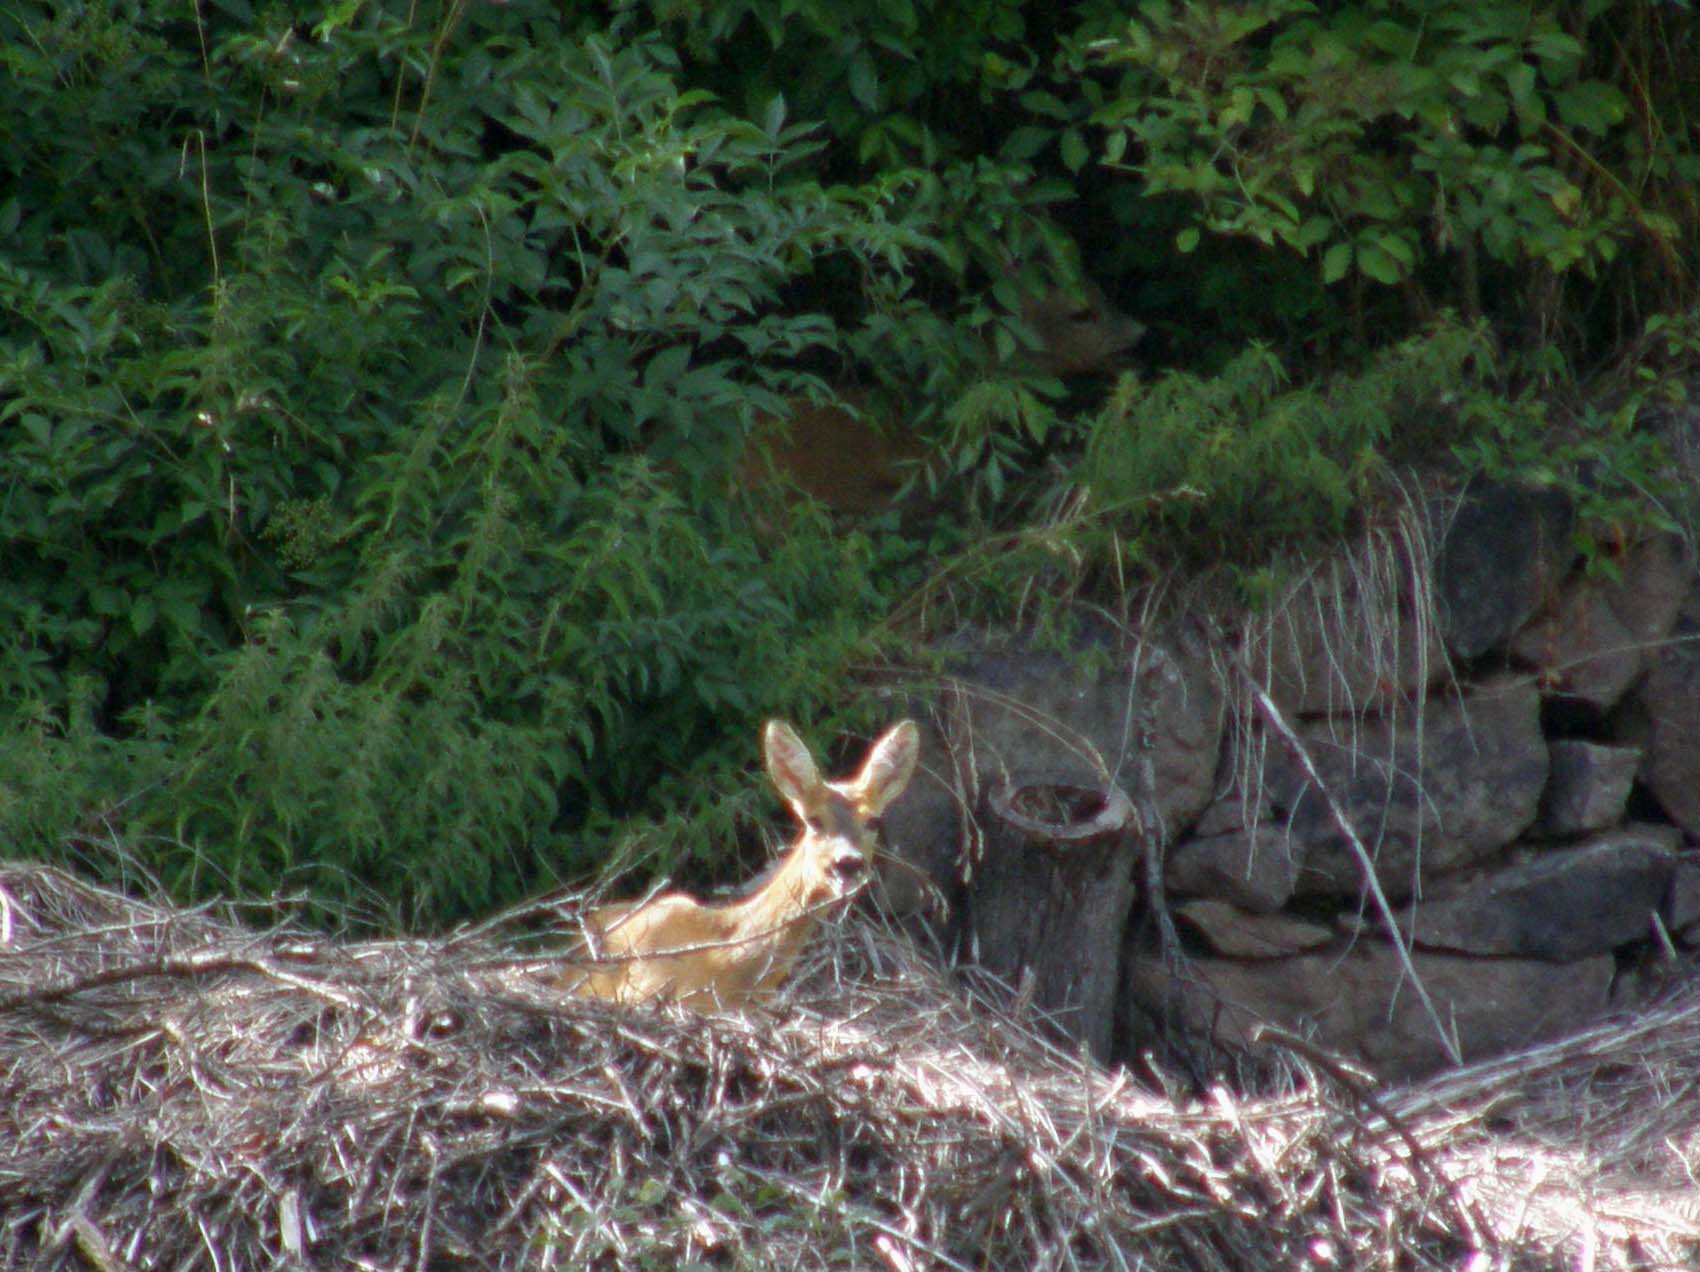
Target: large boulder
{"x": 1561, "y": 904}
{"x": 1425, "y": 800}
{"x": 1503, "y": 550}
{"x": 1350, "y": 635}
{"x": 1656, "y": 578}
{"x": 1588, "y": 788}
{"x": 1237, "y": 933}
{"x": 1594, "y": 640}
{"x": 1358, "y": 1001}
{"x": 1682, "y": 904}
{"x": 1663, "y": 715}
{"x": 1256, "y": 868}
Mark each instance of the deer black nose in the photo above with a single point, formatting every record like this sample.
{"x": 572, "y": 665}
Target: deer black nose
{"x": 848, "y": 865}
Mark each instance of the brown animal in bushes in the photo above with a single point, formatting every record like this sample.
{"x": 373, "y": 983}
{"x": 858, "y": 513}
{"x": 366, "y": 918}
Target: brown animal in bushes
{"x": 855, "y": 460}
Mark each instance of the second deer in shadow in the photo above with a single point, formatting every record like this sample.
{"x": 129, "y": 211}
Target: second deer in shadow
{"x": 676, "y": 948}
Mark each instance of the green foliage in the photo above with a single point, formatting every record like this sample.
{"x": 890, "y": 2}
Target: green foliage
{"x": 881, "y": 76}
{"x": 1667, "y": 354}
{"x": 368, "y": 397}
{"x": 1224, "y": 468}
{"x": 1460, "y": 145}
{"x": 1534, "y": 163}
{"x": 1611, "y": 461}
{"x": 1617, "y": 473}
{"x": 1241, "y": 469}
{"x": 933, "y": 107}
{"x": 372, "y": 385}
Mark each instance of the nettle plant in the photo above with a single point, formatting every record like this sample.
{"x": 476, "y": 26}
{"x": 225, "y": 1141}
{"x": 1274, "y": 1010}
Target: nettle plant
{"x": 369, "y": 392}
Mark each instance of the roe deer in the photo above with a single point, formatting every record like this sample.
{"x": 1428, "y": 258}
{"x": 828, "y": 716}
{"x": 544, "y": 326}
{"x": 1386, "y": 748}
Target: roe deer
{"x": 855, "y": 456}
{"x": 679, "y": 949}
{"x": 844, "y": 456}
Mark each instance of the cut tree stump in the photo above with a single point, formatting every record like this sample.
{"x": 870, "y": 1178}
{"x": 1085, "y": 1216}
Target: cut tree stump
{"x": 1050, "y": 898}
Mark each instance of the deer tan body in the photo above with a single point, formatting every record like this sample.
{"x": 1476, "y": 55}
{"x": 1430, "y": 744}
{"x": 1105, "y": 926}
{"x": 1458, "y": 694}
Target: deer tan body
{"x": 676, "y": 948}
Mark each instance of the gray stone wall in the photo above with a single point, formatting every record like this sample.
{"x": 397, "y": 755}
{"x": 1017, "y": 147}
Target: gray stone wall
{"x": 1512, "y": 740}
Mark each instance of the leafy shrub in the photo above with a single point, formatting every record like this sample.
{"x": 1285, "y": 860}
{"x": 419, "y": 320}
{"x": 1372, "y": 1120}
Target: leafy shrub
{"x": 1534, "y": 164}
{"x": 1241, "y": 468}
{"x": 1503, "y": 157}
{"x": 1223, "y": 468}
{"x": 369, "y": 398}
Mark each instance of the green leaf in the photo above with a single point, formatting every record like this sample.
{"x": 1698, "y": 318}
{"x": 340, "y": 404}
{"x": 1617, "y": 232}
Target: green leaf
{"x": 1592, "y": 105}
{"x": 1397, "y": 248}
{"x": 339, "y": 15}
{"x": 1335, "y": 262}
{"x": 1314, "y": 230}
{"x": 106, "y": 600}
{"x": 1555, "y": 46}
{"x": 1048, "y": 105}
{"x": 1187, "y": 240}
{"x": 1074, "y": 154}
{"x": 39, "y": 427}
{"x": 1375, "y": 263}
{"x": 1520, "y": 83}
{"x": 666, "y": 368}
{"x": 181, "y": 613}
{"x": 142, "y": 615}
{"x": 1022, "y": 144}
{"x": 1242, "y": 103}
{"x": 864, "y": 80}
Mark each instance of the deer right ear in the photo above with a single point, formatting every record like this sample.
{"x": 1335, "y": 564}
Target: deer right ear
{"x": 888, "y": 768}
{"x": 789, "y": 764}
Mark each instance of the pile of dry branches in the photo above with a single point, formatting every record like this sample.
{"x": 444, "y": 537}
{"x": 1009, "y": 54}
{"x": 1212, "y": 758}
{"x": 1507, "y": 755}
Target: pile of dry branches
{"x": 179, "y": 1090}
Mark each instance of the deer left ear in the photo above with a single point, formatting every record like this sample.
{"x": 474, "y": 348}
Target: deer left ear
{"x": 888, "y": 768}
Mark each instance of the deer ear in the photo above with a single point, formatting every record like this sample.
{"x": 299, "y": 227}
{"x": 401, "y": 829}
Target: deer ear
{"x": 789, "y": 764}
{"x": 888, "y": 768}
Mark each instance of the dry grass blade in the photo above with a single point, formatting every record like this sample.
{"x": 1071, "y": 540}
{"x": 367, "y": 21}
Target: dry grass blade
{"x": 180, "y": 1091}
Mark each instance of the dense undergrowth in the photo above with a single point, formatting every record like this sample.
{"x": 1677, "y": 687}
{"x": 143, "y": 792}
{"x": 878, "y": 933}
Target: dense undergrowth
{"x": 373, "y": 382}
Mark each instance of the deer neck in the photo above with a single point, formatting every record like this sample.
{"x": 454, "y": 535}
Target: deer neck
{"x": 778, "y": 915}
